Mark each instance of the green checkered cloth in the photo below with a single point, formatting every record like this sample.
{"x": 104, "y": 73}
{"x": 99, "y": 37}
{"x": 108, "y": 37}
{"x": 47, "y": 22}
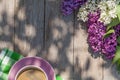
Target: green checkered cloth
{"x": 3, "y": 76}
{"x": 7, "y": 59}
{"x": 2, "y": 54}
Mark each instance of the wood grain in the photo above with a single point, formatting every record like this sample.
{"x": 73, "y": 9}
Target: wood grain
{"x": 29, "y": 26}
{"x": 59, "y": 39}
{"x": 6, "y": 24}
{"x": 86, "y": 66}
{"x": 38, "y": 28}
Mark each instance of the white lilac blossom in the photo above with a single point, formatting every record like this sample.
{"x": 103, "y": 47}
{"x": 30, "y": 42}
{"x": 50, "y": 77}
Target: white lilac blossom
{"x": 108, "y": 11}
{"x": 89, "y": 6}
{"x": 107, "y": 7}
{"x": 83, "y": 14}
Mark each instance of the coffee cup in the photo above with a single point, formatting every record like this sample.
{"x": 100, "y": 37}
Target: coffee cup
{"x": 31, "y": 72}
{"x": 31, "y": 68}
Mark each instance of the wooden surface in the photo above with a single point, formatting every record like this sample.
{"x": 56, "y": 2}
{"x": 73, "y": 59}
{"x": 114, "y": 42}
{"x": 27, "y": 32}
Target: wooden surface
{"x": 37, "y": 28}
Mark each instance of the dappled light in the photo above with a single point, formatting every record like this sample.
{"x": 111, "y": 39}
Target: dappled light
{"x": 4, "y": 44}
{"x": 5, "y": 30}
{"x": 23, "y": 45}
{"x": 53, "y": 53}
{"x": 37, "y": 28}
{"x": 21, "y": 14}
{"x": 30, "y": 31}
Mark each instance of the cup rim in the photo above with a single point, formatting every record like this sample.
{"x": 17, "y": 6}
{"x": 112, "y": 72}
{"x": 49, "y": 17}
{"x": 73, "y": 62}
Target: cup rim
{"x": 26, "y": 61}
{"x": 30, "y": 66}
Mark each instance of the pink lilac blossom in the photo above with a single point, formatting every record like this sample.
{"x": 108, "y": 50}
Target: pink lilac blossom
{"x": 68, "y": 6}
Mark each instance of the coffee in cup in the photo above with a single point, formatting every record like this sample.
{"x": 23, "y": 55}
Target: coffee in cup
{"x": 31, "y": 74}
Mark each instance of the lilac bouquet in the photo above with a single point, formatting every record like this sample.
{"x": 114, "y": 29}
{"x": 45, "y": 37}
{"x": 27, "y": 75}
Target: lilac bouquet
{"x": 103, "y": 20}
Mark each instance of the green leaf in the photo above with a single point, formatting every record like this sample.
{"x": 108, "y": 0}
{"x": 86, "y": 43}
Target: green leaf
{"x": 117, "y": 54}
{"x": 118, "y": 40}
{"x": 118, "y": 11}
{"x": 113, "y": 23}
{"x": 118, "y": 65}
{"x": 58, "y": 77}
{"x": 109, "y": 32}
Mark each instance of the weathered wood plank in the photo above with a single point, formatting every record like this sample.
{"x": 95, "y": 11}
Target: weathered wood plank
{"x": 59, "y": 39}
{"x": 29, "y": 27}
{"x": 86, "y": 67}
{"x": 6, "y": 24}
{"x": 110, "y": 71}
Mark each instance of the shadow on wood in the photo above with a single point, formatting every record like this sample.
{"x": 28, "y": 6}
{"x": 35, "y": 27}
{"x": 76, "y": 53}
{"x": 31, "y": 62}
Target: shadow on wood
{"x": 37, "y": 27}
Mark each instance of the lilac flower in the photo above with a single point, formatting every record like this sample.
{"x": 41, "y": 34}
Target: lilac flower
{"x": 96, "y": 30}
{"x": 78, "y": 3}
{"x": 95, "y": 35}
{"x": 68, "y": 6}
{"x": 109, "y": 46}
{"x": 93, "y": 17}
{"x": 117, "y": 30}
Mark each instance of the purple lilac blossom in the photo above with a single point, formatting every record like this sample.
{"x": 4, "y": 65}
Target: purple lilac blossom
{"x": 68, "y": 6}
{"x": 96, "y": 40}
{"x": 96, "y": 30}
{"x": 117, "y": 30}
{"x": 109, "y": 46}
{"x": 93, "y": 17}
{"x": 95, "y": 35}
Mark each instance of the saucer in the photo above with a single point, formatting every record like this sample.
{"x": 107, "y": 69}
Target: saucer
{"x": 36, "y": 62}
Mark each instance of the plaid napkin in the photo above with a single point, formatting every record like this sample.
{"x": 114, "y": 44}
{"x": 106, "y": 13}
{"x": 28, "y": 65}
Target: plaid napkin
{"x": 2, "y": 54}
{"x": 3, "y": 76}
{"x": 7, "y": 59}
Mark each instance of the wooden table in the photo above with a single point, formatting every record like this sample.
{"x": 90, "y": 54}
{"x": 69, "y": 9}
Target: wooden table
{"x": 37, "y": 28}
